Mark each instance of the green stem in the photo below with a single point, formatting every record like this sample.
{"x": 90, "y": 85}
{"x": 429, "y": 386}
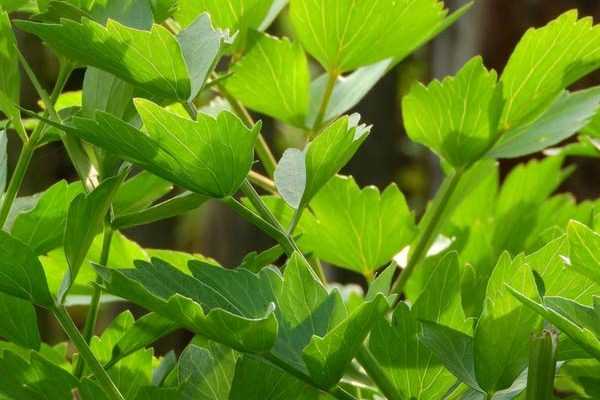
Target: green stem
{"x": 85, "y": 352}
{"x": 92, "y": 314}
{"x": 263, "y": 151}
{"x": 542, "y": 366}
{"x": 262, "y": 181}
{"x": 374, "y": 370}
{"x": 332, "y": 79}
{"x": 430, "y": 229}
{"x": 16, "y": 180}
{"x": 265, "y": 213}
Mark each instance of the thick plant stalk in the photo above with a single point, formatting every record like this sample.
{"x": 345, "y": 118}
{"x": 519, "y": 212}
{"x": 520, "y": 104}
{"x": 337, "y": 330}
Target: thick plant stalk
{"x": 376, "y": 373}
{"x": 16, "y": 180}
{"x": 542, "y": 365}
{"x": 324, "y": 104}
{"x": 92, "y": 314}
{"x": 86, "y": 353}
{"x": 430, "y": 229}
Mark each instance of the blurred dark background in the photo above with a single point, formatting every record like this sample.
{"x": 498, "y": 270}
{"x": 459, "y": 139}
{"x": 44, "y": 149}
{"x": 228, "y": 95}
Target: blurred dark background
{"x": 491, "y": 28}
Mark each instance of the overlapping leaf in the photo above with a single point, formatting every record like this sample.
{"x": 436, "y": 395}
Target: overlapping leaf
{"x": 9, "y": 63}
{"x": 272, "y": 78}
{"x": 209, "y": 156}
{"x": 413, "y": 369}
{"x": 584, "y": 250}
{"x": 456, "y": 118}
{"x": 360, "y": 229}
{"x": 546, "y": 61}
{"x": 292, "y": 316}
{"x": 162, "y": 66}
{"x": 345, "y": 35}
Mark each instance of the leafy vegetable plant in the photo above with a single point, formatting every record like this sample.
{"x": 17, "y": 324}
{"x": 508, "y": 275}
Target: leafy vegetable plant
{"x": 493, "y": 293}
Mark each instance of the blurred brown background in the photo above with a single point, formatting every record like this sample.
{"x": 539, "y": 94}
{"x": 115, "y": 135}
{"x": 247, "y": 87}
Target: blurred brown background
{"x": 491, "y": 28}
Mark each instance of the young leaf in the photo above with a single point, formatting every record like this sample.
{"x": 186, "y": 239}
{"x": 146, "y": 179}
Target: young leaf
{"x": 456, "y": 118}
{"x": 209, "y": 156}
{"x": 360, "y": 229}
{"x": 566, "y": 116}
{"x": 300, "y": 175}
{"x": 21, "y": 274}
{"x": 272, "y": 78}
{"x": 18, "y": 322}
{"x": 42, "y": 228}
{"x": 344, "y": 35}
{"x": 502, "y": 332}
{"x": 411, "y": 364}
{"x": 84, "y": 220}
{"x": 544, "y": 63}
{"x": 151, "y": 60}
{"x": 584, "y": 250}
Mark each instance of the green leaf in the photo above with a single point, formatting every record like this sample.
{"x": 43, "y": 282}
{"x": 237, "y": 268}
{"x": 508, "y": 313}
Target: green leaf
{"x": 42, "y": 228}
{"x": 208, "y": 156}
{"x": 584, "y": 250}
{"x": 453, "y": 348}
{"x": 85, "y": 219}
{"x": 502, "y": 333}
{"x": 163, "y": 9}
{"x": 37, "y": 379}
{"x": 457, "y": 117}
{"x": 359, "y": 229}
{"x": 237, "y": 16}
{"x": 139, "y": 192}
{"x": 151, "y": 60}
{"x": 129, "y": 374}
{"x": 206, "y": 373}
{"x": 172, "y": 207}
{"x": 258, "y": 380}
{"x": 21, "y": 274}
{"x": 18, "y": 322}
{"x": 345, "y": 35}
{"x": 327, "y": 358}
{"x": 202, "y": 46}
{"x": 580, "y": 335}
{"x": 144, "y": 331}
{"x": 558, "y": 278}
{"x": 300, "y": 175}
{"x": 272, "y": 78}
{"x": 544, "y": 63}
{"x": 3, "y": 161}
{"x": 165, "y": 290}
{"x": 566, "y": 116}
{"x": 133, "y": 13}
{"x": 10, "y": 81}
{"x": 410, "y": 365}
{"x": 123, "y": 252}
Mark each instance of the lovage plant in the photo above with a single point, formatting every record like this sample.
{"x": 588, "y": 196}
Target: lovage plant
{"x": 493, "y": 293}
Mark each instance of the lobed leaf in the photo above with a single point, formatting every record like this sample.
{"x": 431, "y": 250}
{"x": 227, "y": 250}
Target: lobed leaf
{"x": 584, "y": 250}
{"x": 272, "y": 78}
{"x": 456, "y": 118}
{"x": 209, "y": 156}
